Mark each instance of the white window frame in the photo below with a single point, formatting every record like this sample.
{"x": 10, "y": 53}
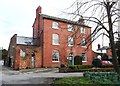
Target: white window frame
{"x": 83, "y": 30}
{"x": 83, "y": 42}
{"x": 70, "y": 41}
{"x": 85, "y": 57}
{"x": 70, "y": 28}
{"x": 22, "y": 53}
{"x": 55, "y": 25}
{"x": 55, "y": 39}
{"x": 55, "y": 56}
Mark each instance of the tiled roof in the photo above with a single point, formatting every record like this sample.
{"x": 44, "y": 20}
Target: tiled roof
{"x": 62, "y": 20}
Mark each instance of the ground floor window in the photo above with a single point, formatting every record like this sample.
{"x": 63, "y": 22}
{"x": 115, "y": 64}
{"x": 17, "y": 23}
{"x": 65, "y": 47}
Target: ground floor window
{"x": 84, "y": 58}
{"x": 55, "y": 55}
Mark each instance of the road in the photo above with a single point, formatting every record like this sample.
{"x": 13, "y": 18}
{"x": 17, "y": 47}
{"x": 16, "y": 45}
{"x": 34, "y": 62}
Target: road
{"x": 33, "y": 77}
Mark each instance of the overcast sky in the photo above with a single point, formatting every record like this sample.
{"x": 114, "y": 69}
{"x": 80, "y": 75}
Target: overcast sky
{"x": 17, "y": 16}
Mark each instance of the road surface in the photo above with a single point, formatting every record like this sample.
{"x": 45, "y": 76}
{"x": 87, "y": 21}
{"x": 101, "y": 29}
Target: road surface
{"x": 32, "y": 77}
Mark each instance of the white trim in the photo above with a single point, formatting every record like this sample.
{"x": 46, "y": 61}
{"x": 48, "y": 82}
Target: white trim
{"x": 83, "y": 30}
{"x": 70, "y": 45}
{"x": 85, "y": 57}
{"x": 55, "y": 25}
{"x": 55, "y": 44}
{"x": 84, "y": 61}
{"x": 84, "y": 46}
{"x": 55, "y": 61}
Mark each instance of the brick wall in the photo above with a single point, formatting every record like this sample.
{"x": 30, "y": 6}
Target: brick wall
{"x": 38, "y": 57}
{"x": 26, "y": 62}
{"x": 44, "y": 33}
{"x": 63, "y": 48}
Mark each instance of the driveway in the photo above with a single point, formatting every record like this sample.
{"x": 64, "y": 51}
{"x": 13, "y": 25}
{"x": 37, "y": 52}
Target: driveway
{"x": 33, "y": 76}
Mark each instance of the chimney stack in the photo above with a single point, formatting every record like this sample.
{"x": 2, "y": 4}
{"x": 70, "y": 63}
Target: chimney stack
{"x": 38, "y": 11}
{"x": 81, "y": 20}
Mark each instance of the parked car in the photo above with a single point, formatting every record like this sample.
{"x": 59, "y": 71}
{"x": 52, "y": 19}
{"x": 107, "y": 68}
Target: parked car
{"x": 107, "y": 63}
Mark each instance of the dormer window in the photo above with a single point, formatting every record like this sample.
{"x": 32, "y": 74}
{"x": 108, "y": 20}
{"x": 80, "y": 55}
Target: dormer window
{"x": 55, "y": 25}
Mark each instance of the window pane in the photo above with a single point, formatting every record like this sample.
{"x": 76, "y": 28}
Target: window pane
{"x": 70, "y": 28}
{"x": 83, "y": 56}
{"x": 55, "y": 55}
{"x": 83, "y": 30}
{"x": 55, "y": 39}
{"x": 55, "y": 25}
{"x": 70, "y": 41}
{"x": 83, "y": 42}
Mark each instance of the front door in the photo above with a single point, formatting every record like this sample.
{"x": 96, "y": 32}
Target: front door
{"x": 71, "y": 59}
{"x": 33, "y": 62}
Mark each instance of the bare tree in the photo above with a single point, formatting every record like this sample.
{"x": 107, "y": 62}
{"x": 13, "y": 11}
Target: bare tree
{"x": 104, "y": 14}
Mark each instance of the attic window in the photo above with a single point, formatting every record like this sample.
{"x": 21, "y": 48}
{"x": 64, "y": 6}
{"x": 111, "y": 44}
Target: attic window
{"x": 55, "y": 25}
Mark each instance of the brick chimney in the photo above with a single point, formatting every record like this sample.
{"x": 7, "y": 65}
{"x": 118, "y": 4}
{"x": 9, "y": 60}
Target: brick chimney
{"x": 38, "y": 10}
{"x": 81, "y": 20}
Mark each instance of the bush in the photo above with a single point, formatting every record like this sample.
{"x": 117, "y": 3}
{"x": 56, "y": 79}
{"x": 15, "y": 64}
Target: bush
{"x": 107, "y": 66}
{"x": 109, "y": 79}
{"x": 62, "y": 66}
{"x": 97, "y": 62}
{"x": 77, "y": 67}
{"x": 105, "y": 57}
{"x": 78, "y": 60}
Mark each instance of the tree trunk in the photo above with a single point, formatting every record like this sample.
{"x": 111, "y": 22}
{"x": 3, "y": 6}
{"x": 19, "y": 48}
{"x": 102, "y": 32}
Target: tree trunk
{"x": 114, "y": 55}
{"x": 111, "y": 38}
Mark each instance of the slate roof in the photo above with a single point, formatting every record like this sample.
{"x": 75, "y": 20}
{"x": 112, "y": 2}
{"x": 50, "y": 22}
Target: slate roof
{"x": 62, "y": 20}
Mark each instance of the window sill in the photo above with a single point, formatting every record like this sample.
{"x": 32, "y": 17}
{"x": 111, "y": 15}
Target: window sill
{"x": 84, "y": 61}
{"x": 55, "y": 61}
{"x": 83, "y": 46}
{"x": 55, "y": 28}
{"x": 70, "y": 45}
{"x": 82, "y": 33}
{"x": 56, "y": 44}
{"x": 70, "y": 31}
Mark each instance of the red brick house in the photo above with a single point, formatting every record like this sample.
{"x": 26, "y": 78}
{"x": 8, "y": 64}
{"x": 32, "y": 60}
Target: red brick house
{"x": 55, "y": 41}
{"x": 58, "y": 38}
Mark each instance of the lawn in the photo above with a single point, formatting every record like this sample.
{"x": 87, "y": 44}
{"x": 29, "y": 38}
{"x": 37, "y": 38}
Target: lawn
{"x": 73, "y": 81}
{"x": 90, "y": 79}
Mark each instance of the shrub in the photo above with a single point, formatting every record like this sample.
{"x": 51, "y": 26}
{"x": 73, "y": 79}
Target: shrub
{"x": 104, "y": 56}
{"x": 84, "y": 66}
{"x": 78, "y": 60}
{"x": 62, "y": 66}
{"x": 73, "y": 67}
{"x": 110, "y": 79}
{"x": 97, "y": 62}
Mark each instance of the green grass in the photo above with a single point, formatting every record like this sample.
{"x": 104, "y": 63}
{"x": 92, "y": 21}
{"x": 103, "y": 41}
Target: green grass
{"x": 90, "y": 79}
{"x": 73, "y": 81}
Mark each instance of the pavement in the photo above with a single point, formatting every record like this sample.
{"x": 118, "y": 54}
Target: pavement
{"x": 33, "y": 76}
{"x": 10, "y": 71}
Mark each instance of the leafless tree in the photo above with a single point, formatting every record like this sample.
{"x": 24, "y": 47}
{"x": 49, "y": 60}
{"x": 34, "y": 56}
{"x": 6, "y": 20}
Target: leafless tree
{"x": 104, "y": 14}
